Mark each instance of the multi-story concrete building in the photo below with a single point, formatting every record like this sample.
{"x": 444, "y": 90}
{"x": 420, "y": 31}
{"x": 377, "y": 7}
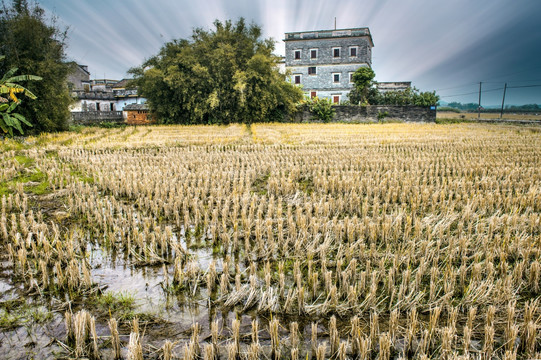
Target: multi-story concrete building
{"x": 323, "y": 62}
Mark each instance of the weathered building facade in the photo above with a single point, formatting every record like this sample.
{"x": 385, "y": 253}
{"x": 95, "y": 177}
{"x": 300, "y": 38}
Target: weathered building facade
{"x": 125, "y": 94}
{"x": 137, "y": 114}
{"x": 323, "y": 62}
{"x": 99, "y": 99}
{"x": 79, "y": 78}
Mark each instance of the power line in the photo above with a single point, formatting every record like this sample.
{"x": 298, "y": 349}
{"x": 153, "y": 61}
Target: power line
{"x": 471, "y": 93}
{"x": 523, "y": 86}
{"x": 489, "y": 82}
{"x": 490, "y": 90}
{"x": 457, "y": 87}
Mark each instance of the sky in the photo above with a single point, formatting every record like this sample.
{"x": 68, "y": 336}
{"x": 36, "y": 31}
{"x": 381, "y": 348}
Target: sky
{"x": 448, "y": 46}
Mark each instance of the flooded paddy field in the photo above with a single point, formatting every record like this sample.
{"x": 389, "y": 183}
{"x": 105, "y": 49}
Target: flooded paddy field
{"x": 274, "y": 241}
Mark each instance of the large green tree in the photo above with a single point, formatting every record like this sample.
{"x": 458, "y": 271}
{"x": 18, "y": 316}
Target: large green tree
{"x": 36, "y": 46}
{"x": 224, "y": 75}
{"x": 363, "y": 79}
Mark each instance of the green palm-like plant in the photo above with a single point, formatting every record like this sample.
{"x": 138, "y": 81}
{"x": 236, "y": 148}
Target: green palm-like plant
{"x": 9, "y": 89}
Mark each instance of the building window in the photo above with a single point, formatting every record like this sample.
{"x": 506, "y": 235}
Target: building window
{"x": 336, "y": 99}
{"x": 297, "y": 54}
{"x": 336, "y": 78}
{"x": 336, "y": 52}
{"x": 313, "y": 53}
{"x": 312, "y": 70}
{"x": 353, "y": 51}
{"x": 351, "y": 77}
{"x": 297, "y": 79}
{"x": 313, "y": 94}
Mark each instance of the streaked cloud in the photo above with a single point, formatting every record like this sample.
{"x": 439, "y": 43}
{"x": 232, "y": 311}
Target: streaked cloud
{"x": 436, "y": 44}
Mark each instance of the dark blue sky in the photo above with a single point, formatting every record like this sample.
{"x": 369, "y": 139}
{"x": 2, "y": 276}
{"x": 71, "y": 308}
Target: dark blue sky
{"x": 448, "y": 46}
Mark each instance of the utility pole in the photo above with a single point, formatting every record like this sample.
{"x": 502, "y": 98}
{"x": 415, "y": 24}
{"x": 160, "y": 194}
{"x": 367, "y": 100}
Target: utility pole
{"x": 479, "y": 107}
{"x": 503, "y": 99}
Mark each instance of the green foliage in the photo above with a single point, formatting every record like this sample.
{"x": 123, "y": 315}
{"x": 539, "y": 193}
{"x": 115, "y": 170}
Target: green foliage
{"x": 448, "y": 108}
{"x": 36, "y": 45}
{"x": 382, "y": 115}
{"x": 363, "y": 78}
{"x": 9, "y": 88}
{"x": 535, "y": 108}
{"x": 460, "y": 106}
{"x": 365, "y": 92}
{"x": 372, "y": 96}
{"x": 410, "y": 96}
{"x": 321, "y": 109}
{"x": 117, "y": 302}
{"x": 225, "y": 75}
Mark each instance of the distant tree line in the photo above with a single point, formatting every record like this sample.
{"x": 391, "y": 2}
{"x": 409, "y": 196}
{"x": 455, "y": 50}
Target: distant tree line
{"x": 507, "y": 108}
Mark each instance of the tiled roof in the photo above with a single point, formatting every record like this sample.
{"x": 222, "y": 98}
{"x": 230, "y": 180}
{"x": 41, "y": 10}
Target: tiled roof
{"x": 122, "y": 84}
{"x": 136, "y": 107}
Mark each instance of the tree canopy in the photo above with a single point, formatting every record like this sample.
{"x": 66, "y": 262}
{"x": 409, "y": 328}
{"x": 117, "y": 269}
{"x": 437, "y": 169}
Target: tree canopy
{"x": 36, "y": 46}
{"x": 224, "y": 75}
{"x": 363, "y": 79}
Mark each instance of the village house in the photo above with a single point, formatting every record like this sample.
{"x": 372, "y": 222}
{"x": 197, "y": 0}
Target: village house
{"x": 125, "y": 94}
{"x": 100, "y": 94}
{"x": 137, "y": 114}
{"x": 323, "y": 62}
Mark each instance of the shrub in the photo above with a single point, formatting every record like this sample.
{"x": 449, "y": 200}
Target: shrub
{"x": 321, "y": 109}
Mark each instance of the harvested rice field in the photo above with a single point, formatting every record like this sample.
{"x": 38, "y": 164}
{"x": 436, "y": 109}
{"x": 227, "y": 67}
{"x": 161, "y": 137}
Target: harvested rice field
{"x": 272, "y": 241}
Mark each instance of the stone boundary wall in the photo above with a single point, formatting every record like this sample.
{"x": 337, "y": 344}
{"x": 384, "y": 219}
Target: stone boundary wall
{"x": 343, "y": 113}
{"x": 374, "y": 114}
{"x": 96, "y": 117}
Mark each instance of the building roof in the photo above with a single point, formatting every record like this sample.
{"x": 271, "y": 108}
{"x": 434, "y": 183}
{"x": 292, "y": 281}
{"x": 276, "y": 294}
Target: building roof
{"x": 393, "y": 85}
{"x": 123, "y": 84}
{"x": 327, "y": 34}
{"x": 135, "y": 107}
{"x": 92, "y": 95}
{"x": 84, "y": 68}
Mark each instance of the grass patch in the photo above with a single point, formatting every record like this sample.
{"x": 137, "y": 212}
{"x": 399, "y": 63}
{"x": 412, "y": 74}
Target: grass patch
{"x": 24, "y": 160}
{"x": 5, "y": 189}
{"x": 81, "y": 176}
{"x": 121, "y": 305}
{"x": 12, "y": 144}
{"x": 51, "y": 154}
{"x": 40, "y": 189}
{"x": 77, "y": 128}
{"x": 35, "y": 183}
{"x": 42, "y": 186}
{"x": 259, "y": 186}
{"x": 40, "y": 315}
{"x": 306, "y": 184}
{"x": 9, "y": 319}
{"x": 117, "y": 304}
{"x": 14, "y": 314}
